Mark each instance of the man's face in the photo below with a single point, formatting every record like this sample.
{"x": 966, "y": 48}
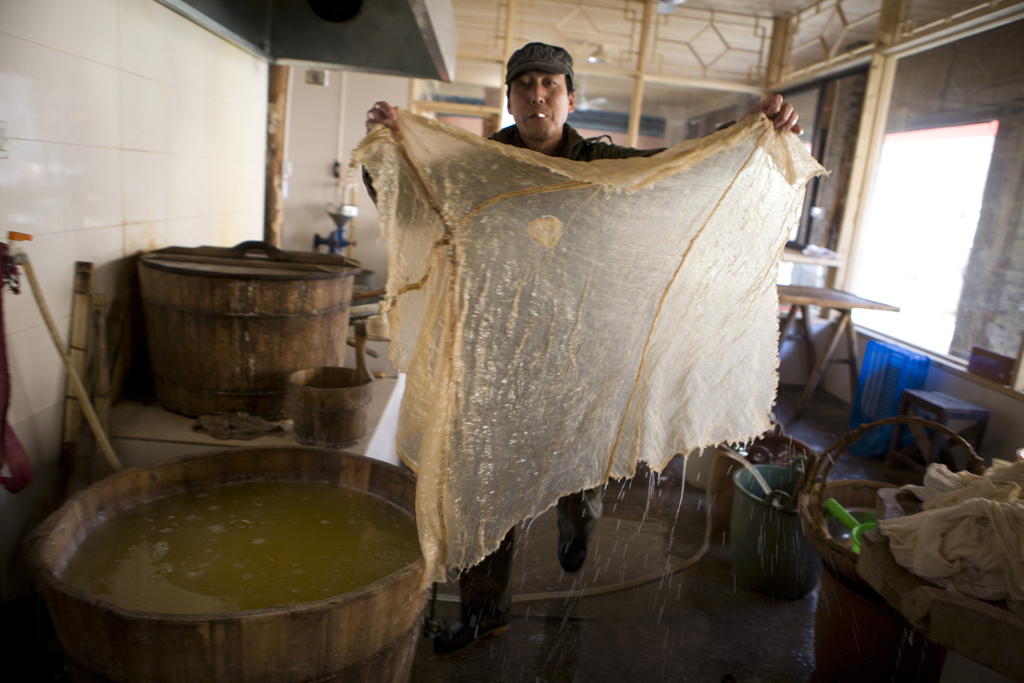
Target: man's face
{"x": 540, "y": 102}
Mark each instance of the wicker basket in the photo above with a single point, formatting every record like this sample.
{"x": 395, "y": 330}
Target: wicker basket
{"x": 815, "y": 490}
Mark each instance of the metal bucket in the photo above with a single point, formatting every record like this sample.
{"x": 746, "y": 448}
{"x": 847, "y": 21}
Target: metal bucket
{"x": 770, "y": 553}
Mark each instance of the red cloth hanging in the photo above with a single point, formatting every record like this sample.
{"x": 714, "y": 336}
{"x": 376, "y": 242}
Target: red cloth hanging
{"x": 13, "y": 459}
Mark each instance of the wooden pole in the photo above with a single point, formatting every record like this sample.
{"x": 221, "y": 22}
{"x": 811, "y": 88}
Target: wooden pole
{"x": 77, "y": 349}
{"x": 873, "y": 118}
{"x": 510, "y": 18}
{"x": 636, "y": 107}
{"x": 277, "y": 103}
{"x": 875, "y": 112}
{"x": 893, "y": 17}
{"x": 101, "y": 368}
{"x": 73, "y": 476}
{"x": 779, "y": 51}
{"x": 76, "y": 380}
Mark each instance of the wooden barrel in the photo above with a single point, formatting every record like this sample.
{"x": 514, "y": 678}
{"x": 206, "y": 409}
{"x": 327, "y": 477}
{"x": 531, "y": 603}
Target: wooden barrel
{"x": 329, "y": 406}
{"x": 368, "y": 634}
{"x": 227, "y": 326}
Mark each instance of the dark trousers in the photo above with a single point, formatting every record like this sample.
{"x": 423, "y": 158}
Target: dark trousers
{"x": 486, "y": 595}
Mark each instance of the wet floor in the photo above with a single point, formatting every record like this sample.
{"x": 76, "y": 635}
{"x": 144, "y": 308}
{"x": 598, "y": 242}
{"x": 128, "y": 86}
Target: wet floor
{"x": 696, "y": 626}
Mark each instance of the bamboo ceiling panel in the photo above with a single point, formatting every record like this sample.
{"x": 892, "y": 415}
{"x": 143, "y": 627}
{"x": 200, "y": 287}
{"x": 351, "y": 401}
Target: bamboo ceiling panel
{"x": 831, "y": 28}
{"x": 582, "y": 28}
{"x": 481, "y": 27}
{"x": 710, "y": 45}
{"x": 704, "y": 39}
{"x": 924, "y": 14}
{"x": 552, "y": 316}
{"x": 691, "y": 43}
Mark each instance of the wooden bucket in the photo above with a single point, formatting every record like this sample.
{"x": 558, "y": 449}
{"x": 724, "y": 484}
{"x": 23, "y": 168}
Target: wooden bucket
{"x": 329, "y": 406}
{"x": 227, "y": 326}
{"x": 858, "y": 637}
{"x": 368, "y": 634}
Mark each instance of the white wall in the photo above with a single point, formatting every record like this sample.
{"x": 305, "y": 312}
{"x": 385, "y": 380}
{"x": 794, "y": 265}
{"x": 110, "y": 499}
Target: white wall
{"x": 129, "y": 128}
{"x": 325, "y": 124}
{"x": 311, "y": 144}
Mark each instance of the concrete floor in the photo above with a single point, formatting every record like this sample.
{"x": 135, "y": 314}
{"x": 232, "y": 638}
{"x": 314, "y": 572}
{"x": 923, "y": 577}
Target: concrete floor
{"x": 697, "y": 626}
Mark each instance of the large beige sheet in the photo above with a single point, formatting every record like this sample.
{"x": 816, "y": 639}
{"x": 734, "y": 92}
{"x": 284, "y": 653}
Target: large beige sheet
{"x": 561, "y": 320}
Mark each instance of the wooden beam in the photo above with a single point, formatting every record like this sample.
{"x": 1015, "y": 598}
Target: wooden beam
{"x": 636, "y": 106}
{"x": 779, "y": 51}
{"x": 957, "y": 26}
{"x": 906, "y": 42}
{"x": 101, "y": 369}
{"x": 828, "y": 68}
{"x": 870, "y": 133}
{"x": 277, "y": 103}
{"x": 77, "y": 347}
{"x": 73, "y": 478}
{"x": 707, "y": 84}
{"x": 414, "y": 95}
{"x": 510, "y": 19}
{"x": 101, "y": 382}
{"x": 893, "y": 17}
{"x": 454, "y": 108}
{"x": 1018, "y": 374}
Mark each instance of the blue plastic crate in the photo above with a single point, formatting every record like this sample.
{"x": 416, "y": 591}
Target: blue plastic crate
{"x": 886, "y": 372}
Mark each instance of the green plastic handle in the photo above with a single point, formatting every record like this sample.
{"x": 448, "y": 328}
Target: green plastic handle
{"x": 841, "y": 514}
{"x": 857, "y": 533}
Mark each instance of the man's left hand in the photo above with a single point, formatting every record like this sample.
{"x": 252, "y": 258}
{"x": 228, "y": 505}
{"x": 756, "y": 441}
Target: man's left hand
{"x": 781, "y": 114}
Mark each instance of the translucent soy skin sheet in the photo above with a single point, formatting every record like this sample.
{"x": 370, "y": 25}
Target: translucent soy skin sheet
{"x": 559, "y": 321}
{"x": 243, "y": 546}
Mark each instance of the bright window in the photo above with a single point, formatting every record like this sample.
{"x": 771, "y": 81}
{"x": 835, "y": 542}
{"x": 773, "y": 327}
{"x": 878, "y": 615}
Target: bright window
{"x": 917, "y": 239}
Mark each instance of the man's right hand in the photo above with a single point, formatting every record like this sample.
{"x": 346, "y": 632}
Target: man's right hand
{"x": 382, "y": 113}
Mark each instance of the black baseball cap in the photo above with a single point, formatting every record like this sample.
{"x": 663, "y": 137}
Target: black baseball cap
{"x": 539, "y": 56}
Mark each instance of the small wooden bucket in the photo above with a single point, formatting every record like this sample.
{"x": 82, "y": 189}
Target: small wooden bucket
{"x": 329, "y": 406}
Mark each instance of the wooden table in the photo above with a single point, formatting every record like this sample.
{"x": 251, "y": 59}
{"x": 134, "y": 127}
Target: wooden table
{"x": 986, "y": 632}
{"x": 799, "y": 297}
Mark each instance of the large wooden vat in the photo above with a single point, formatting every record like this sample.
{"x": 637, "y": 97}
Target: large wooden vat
{"x": 368, "y": 634}
{"x": 227, "y": 326}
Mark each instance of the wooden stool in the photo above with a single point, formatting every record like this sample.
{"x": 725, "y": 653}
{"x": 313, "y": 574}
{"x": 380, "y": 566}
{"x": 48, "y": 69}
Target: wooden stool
{"x": 941, "y": 408}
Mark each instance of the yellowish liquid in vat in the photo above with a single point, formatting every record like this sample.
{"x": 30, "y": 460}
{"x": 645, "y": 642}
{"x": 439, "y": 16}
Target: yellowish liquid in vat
{"x": 244, "y": 546}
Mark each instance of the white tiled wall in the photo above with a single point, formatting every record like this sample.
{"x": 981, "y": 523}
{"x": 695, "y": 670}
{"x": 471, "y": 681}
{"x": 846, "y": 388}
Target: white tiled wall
{"x": 128, "y": 128}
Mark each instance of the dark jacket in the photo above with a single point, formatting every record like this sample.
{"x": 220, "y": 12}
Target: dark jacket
{"x": 573, "y": 147}
{"x": 576, "y": 148}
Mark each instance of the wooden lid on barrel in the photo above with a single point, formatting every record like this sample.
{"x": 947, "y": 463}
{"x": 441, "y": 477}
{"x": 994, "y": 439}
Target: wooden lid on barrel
{"x": 227, "y": 326}
{"x": 251, "y": 261}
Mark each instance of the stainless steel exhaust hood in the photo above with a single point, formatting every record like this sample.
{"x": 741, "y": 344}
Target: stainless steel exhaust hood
{"x": 398, "y": 37}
